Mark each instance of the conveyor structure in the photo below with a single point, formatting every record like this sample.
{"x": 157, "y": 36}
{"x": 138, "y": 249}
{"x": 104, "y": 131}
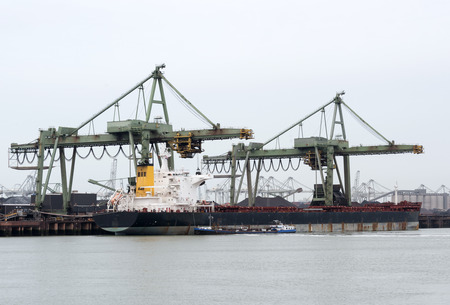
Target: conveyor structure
{"x": 54, "y": 142}
{"x": 319, "y": 153}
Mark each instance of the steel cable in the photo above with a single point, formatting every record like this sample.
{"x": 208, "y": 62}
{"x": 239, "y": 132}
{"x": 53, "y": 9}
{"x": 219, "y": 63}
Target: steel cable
{"x": 187, "y": 106}
{"x": 20, "y": 162}
{"x": 130, "y": 156}
{"x": 216, "y": 169}
{"x": 238, "y": 166}
{"x": 279, "y": 164}
{"x": 114, "y": 156}
{"x": 48, "y": 154}
{"x": 32, "y": 160}
{"x": 70, "y": 159}
{"x": 229, "y": 167}
{"x": 298, "y": 165}
{"x": 57, "y": 158}
{"x": 136, "y": 149}
{"x": 223, "y": 168}
{"x": 78, "y": 154}
{"x": 254, "y": 165}
{"x": 103, "y": 153}
{"x": 282, "y": 167}
{"x": 264, "y": 166}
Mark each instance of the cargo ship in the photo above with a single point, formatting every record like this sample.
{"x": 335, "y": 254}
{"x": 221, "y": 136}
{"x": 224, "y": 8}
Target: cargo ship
{"x": 165, "y": 202}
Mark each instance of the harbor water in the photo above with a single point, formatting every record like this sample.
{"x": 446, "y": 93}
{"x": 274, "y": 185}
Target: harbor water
{"x": 411, "y": 267}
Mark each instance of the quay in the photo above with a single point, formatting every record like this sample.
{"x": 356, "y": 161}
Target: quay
{"x": 434, "y": 221}
{"x": 50, "y": 226}
{"x": 85, "y": 225}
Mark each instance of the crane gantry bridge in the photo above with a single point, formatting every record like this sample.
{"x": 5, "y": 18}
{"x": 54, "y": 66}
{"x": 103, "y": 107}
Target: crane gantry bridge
{"x": 136, "y": 132}
{"x": 319, "y": 153}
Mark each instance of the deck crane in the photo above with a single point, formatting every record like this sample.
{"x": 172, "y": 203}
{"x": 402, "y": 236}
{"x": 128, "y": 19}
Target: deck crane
{"x": 132, "y": 132}
{"x": 319, "y": 153}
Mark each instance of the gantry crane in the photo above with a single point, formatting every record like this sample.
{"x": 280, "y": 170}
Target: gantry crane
{"x": 318, "y": 153}
{"x": 129, "y": 132}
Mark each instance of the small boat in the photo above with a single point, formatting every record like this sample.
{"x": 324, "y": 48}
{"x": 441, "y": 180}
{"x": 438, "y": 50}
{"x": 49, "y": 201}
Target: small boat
{"x": 277, "y": 227}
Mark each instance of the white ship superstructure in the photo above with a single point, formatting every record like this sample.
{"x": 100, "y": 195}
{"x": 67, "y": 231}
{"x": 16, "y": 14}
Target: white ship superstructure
{"x": 160, "y": 191}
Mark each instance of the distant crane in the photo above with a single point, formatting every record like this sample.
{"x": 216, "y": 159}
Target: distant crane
{"x": 27, "y": 187}
{"x": 443, "y": 189}
{"x": 423, "y": 187}
{"x": 355, "y": 194}
{"x": 370, "y": 191}
{"x": 113, "y": 174}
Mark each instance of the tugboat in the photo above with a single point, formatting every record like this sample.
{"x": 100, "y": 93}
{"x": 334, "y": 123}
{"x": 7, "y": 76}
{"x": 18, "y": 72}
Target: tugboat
{"x": 277, "y": 227}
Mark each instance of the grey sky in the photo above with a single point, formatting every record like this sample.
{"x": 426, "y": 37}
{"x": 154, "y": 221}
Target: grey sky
{"x": 257, "y": 64}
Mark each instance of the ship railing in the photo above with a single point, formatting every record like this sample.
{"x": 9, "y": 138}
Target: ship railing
{"x": 176, "y": 208}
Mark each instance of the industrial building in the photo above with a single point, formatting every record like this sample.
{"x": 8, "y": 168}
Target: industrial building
{"x": 430, "y": 201}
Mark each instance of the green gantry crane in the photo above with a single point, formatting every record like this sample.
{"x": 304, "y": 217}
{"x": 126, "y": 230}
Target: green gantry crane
{"x": 317, "y": 152}
{"x": 129, "y": 132}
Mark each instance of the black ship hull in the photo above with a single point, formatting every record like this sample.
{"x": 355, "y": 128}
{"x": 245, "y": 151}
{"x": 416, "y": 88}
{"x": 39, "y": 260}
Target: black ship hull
{"x": 308, "y": 220}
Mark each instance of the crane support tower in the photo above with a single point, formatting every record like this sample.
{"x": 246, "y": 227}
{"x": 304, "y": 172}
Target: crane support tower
{"x": 319, "y": 153}
{"x": 132, "y": 132}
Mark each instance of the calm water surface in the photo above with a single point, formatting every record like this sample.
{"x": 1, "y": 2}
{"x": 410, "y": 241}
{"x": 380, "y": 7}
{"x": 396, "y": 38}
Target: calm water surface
{"x": 361, "y": 268}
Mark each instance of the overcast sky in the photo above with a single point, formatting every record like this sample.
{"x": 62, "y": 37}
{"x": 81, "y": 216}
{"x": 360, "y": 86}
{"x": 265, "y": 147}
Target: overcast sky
{"x": 263, "y": 65}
